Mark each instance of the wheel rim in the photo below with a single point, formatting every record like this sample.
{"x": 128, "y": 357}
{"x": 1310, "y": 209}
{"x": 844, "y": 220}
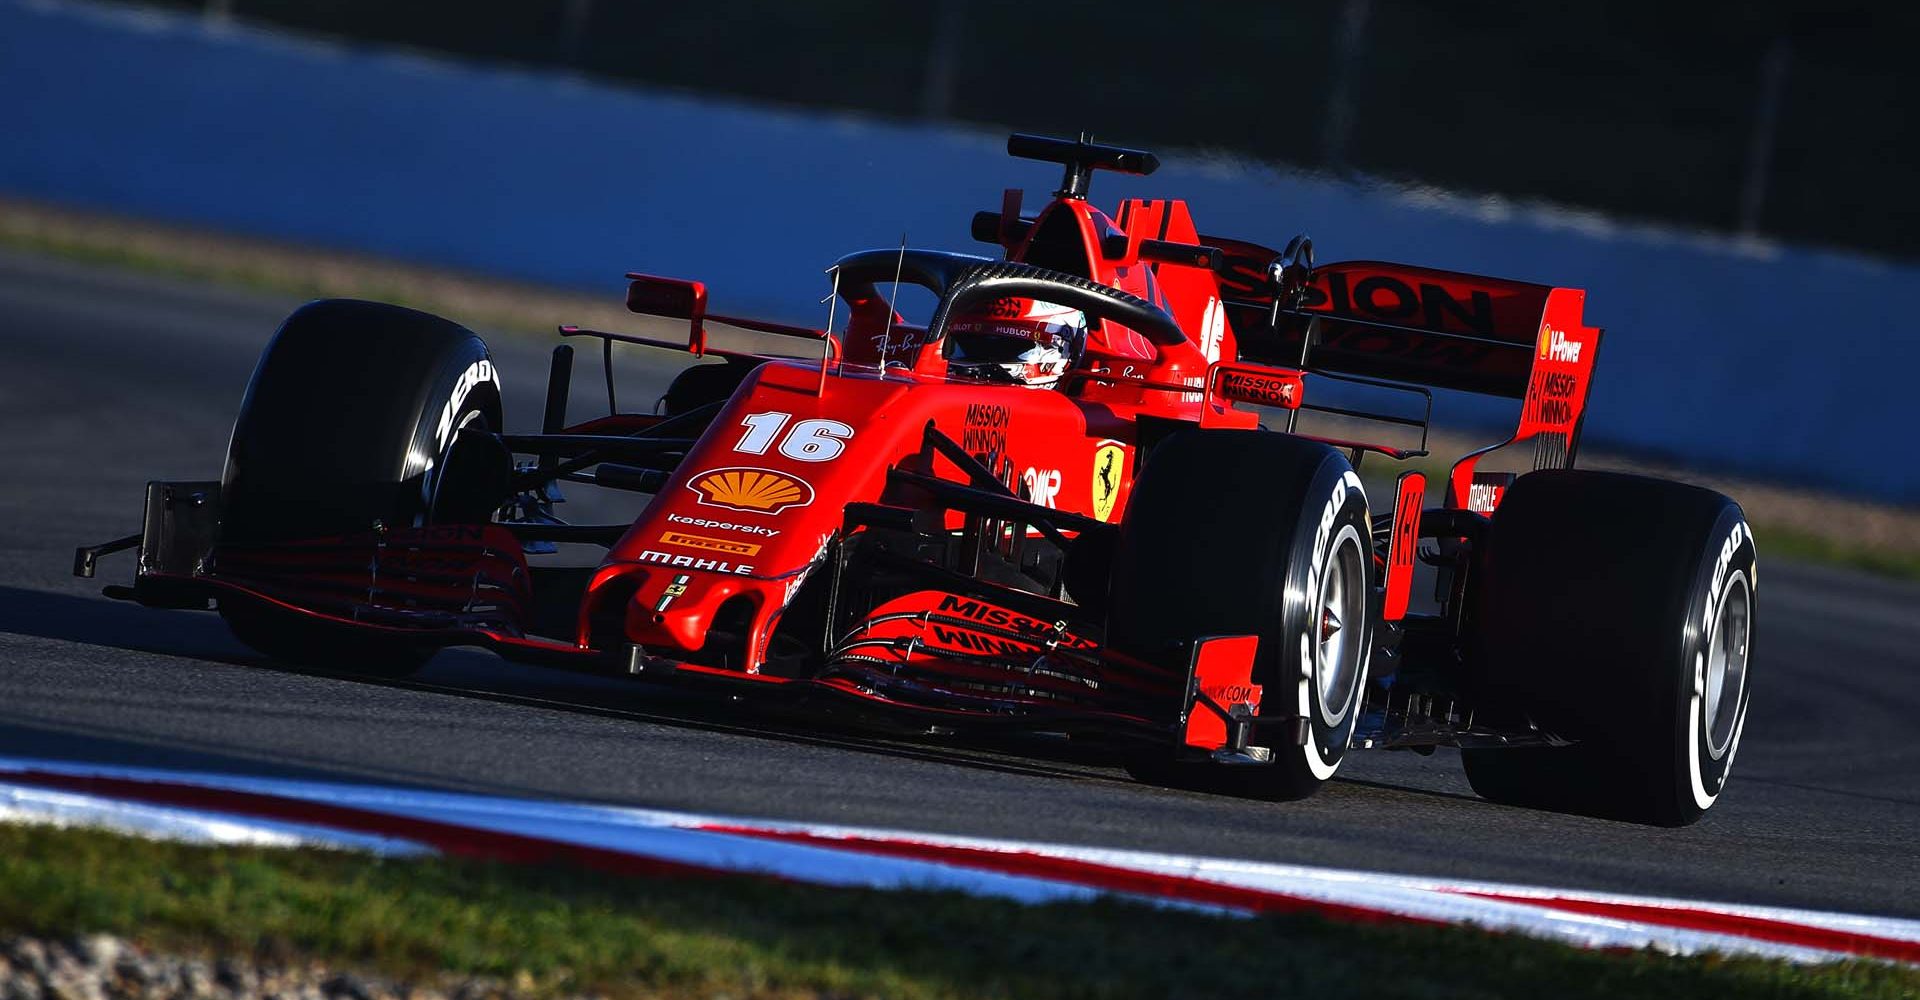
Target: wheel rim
{"x": 1339, "y": 618}
{"x": 1727, "y": 650}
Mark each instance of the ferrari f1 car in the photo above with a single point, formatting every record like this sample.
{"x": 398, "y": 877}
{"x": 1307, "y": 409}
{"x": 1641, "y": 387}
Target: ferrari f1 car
{"x": 1077, "y": 499}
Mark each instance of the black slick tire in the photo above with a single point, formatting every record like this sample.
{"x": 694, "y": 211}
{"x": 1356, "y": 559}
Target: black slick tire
{"x": 1616, "y": 611}
{"x": 1248, "y": 533}
{"x": 353, "y": 416}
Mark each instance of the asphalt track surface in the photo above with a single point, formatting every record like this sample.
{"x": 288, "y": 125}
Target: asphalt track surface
{"x": 110, "y": 379}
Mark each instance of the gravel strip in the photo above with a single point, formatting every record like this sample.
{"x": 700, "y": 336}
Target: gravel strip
{"x": 104, "y": 967}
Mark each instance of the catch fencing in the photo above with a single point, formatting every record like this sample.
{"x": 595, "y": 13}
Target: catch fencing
{"x": 1772, "y": 361}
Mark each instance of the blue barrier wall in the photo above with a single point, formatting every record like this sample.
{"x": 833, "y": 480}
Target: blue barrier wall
{"x": 1779, "y": 362}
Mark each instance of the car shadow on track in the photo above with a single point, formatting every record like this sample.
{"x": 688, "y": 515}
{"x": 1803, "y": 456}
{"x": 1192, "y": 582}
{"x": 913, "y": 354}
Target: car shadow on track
{"x": 475, "y": 674}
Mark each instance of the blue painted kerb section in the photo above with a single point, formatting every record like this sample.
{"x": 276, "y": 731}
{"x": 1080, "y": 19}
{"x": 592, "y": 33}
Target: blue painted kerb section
{"x": 1791, "y": 363}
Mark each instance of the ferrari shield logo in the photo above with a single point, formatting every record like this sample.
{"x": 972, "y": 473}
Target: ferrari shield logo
{"x": 1109, "y": 461}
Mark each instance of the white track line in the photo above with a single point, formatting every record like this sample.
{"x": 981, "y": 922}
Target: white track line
{"x": 855, "y": 856}
{"x": 28, "y": 804}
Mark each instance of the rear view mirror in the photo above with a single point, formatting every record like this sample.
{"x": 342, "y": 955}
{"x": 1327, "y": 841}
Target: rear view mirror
{"x": 674, "y": 299}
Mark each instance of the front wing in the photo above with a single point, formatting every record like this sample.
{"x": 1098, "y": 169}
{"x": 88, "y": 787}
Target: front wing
{"x": 951, "y": 652}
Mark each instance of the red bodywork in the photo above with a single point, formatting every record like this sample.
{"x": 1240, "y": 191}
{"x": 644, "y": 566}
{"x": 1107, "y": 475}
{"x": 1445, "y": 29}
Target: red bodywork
{"x": 758, "y": 507}
{"x": 750, "y": 513}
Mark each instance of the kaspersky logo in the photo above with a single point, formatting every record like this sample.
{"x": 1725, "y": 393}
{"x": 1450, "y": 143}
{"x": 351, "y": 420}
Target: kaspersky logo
{"x": 1555, "y": 345}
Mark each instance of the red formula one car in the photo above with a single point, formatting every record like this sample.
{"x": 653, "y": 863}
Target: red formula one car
{"x": 1051, "y": 506}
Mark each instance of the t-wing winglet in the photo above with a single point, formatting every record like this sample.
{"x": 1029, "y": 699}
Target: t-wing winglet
{"x": 1081, "y": 158}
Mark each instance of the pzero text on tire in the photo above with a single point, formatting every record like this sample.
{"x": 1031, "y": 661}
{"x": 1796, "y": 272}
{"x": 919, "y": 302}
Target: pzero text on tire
{"x": 354, "y": 416}
{"x": 1618, "y": 612}
{"x": 1253, "y": 533}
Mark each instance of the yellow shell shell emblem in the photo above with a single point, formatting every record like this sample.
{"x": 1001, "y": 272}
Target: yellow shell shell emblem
{"x": 1109, "y": 461}
{"x": 1545, "y": 340}
{"x": 758, "y": 491}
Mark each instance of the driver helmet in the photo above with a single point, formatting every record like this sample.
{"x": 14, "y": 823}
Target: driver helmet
{"x": 1017, "y": 341}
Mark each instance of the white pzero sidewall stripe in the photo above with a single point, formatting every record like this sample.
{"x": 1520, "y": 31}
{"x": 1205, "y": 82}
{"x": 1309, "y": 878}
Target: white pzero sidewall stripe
{"x": 477, "y": 373}
{"x": 1324, "y": 540}
{"x": 1722, "y": 582}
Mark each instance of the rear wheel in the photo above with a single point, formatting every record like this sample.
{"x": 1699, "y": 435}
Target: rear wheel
{"x": 1616, "y": 611}
{"x": 355, "y": 416}
{"x": 1252, "y": 533}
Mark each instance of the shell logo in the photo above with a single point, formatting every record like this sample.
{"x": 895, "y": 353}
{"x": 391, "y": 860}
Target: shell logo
{"x": 1556, "y": 345}
{"x": 757, "y": 491}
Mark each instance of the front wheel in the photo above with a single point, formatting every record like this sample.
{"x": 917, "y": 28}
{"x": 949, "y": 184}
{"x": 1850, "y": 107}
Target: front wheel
{"x": 354, "y": 417}
{"x": 1252, "y": 533}
{"x": 1617, "y": 611}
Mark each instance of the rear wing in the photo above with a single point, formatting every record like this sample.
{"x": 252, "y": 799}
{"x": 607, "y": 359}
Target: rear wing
{"x": 1415, "y": 324}
{"x": 1422, "y": 326}
{"x": 1394, "y": 321}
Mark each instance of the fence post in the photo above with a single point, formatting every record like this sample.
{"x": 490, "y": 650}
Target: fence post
{"x": 943, "y": 53}
{"x": 1347, "y": 40}
{"x": 1766, "y": 127}
{"x": 573, "y": 30}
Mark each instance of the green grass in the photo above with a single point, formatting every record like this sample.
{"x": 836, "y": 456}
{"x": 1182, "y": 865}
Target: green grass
{"x": 1804, "y": 546}
{"x": 564, "y": 930}
{"x": 90, "y": 252}
{"x": 269, "y": 277}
